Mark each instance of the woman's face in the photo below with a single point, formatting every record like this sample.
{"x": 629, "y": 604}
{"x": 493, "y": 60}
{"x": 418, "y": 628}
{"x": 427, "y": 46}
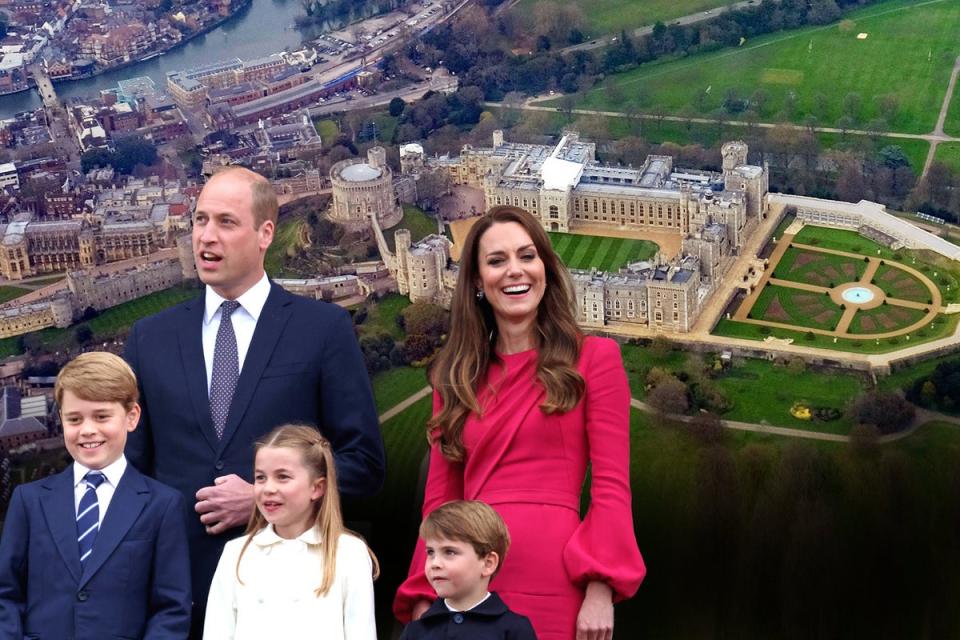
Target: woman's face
{"x": 512, "y": 275}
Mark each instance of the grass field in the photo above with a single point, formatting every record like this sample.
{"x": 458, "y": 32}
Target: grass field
{"x": 821, "y": 269}
{"x": 414, "y": 219}
{"x": 884, "y": 318}
{"x": 46, "y": 280}
{"x": 285, "y": 240}
{"x": 606, "y": 254}
{"x": 908, "y": 53}
{"x": 327, "y": 129}
{"x": 108, "y": 324}
{"x": 897, "y": 283}
{"x": 396, "y": 385}
{"x": 611, "y": 16}
{"x": 382, "y": 316}
{"x": 796, "y": 307}
{"x": 949, "y": 154}
{"x": 8, "y": 293}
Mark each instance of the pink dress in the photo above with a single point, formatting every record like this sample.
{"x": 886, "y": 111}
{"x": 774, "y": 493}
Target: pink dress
{"x": 530, "y": 467}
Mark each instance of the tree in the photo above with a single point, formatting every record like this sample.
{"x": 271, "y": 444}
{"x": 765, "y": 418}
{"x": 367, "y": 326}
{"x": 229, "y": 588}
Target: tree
{"x": 432, "y": 186}
{"x": 892, "y": 157}
{"x": 83, "y": 334}
{"x": 888, "y": 411}
{"x": 845, "y": 123}
{"x": 852, "y": 103}
{"x": 669, "y": 397}
{"x": 397, "y": 105}
{"x": 423, "y": 318}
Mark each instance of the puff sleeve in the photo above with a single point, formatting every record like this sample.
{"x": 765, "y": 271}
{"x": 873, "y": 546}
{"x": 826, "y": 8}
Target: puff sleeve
{"x": 444, "y": 483}
{"x": 604, "y": 546}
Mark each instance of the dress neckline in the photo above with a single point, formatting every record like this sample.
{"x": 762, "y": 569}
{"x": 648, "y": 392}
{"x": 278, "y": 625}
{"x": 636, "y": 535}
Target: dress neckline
{"x": 518, "y": 355}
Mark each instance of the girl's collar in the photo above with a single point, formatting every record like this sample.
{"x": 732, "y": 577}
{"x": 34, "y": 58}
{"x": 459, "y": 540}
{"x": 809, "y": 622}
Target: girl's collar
{"x": 268, "y": 536}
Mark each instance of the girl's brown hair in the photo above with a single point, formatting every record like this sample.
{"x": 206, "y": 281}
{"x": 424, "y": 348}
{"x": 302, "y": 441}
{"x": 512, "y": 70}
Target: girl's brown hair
{"x": 462, "y": 362}
{"x": 318, "y": 459}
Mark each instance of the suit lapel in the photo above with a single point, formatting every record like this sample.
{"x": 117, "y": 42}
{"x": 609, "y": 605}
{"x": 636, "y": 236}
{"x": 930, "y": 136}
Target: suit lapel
{"x": 273, "y": 318}
{"x": 128, "y": 501}
{"x": 194, "y": 368}
{"x": 60, "y": 513}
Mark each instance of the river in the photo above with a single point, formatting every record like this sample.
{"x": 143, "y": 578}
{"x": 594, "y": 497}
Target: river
{"x": 265, "y": 27}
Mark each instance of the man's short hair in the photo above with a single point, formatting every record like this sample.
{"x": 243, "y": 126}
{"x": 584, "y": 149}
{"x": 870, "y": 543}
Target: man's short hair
{"x": 263, "y": 198}
{"x": 98, "y": 376}
{"x": 472, "y": 522}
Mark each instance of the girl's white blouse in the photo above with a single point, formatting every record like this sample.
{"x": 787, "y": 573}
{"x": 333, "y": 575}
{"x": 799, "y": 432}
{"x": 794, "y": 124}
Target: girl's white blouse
{"x": 277, "y": 600}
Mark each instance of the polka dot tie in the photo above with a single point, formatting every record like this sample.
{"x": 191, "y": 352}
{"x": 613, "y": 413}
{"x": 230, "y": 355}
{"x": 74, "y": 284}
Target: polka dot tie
{"x": 88, "y": 515}
{"x": 226, "y": 368}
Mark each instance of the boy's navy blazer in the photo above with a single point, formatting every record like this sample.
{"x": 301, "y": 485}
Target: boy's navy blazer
{"x": 303, "y": 365}
{"x": 135, "y": 584}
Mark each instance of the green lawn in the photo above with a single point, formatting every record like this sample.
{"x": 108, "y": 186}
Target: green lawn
{"x": 941, "y": 327}
{"x": 286, "y": 241}
{"x": 328, "y": 130}
{"x": 796, "y": 307}
{"x": 382, "y": 316}
{"x": 884, "y": 318}
{"x": 393, "y": 386}
{"x": 46, "y": 280}
{"x": 605, "y": 254}
{"x": 612, "y": 16}
{"x": 949, "y": 153}
{"x": 908, "y": 54}
{"x": 419, "y": 224}
{"x": 8, "y": 293}
{"x": 821, "y": 269}
{"x": 639, "y": 360}
{"x": 108, "y": 324}
{"x": 897, "y": 283}
{"x": 781, "y": 389}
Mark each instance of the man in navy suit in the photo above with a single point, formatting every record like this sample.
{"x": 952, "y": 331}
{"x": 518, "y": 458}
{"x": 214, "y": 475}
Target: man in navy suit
{"x": 292, "y": 360}
{"x": 98, "y": 550}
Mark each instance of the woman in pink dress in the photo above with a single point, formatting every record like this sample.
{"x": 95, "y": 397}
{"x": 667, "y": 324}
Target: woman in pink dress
{"x": 523, "y": 402}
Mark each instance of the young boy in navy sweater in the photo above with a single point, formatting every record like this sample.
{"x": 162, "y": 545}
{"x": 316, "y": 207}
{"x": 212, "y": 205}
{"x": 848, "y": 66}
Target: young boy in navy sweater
{"x": 466, "y": 544}
{"x": 98, "y": 550}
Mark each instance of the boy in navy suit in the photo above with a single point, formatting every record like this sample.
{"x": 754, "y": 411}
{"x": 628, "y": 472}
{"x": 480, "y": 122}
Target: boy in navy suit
{"x": 466, "y": 543}
{"x": 99, "y": 550}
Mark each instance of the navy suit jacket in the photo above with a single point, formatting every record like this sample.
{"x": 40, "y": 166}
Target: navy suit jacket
{"x": 303, "y": 365}
{"x": 135, "y": 584}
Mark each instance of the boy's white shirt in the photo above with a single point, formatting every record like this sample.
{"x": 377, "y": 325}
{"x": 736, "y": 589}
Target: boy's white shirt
{"x": 470, "y": 608}
{"x": 112, "y": 472}
{"x": 277, "y": 600}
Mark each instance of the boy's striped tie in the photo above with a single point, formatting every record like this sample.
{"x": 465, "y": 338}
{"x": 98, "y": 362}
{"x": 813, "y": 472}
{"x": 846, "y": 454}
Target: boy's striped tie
{"x": 88, "y": 515}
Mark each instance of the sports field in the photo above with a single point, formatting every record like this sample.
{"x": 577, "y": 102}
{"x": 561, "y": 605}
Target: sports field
{"x": 612, "y": 16}
{"x": 908, "y": 53}
{"x": 602, "y": 253}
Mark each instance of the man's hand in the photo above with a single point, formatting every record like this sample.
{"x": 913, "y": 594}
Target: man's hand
{"x": 225, "y": 505}
{"x": 595, "y": 621}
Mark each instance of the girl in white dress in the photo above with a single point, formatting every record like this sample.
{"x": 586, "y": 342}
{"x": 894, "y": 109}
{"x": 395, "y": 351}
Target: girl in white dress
{"x": 297, "y": 573}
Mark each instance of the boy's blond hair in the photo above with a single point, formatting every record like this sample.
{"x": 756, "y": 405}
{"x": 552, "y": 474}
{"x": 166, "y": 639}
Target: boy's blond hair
{"x": 472, "y": 522}
{"x": 98, "y": 376}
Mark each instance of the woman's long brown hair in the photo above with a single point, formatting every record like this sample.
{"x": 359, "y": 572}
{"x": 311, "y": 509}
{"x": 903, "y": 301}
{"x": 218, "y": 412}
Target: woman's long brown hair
{"x": 462, "y": 362}
{"x": 318, "y": 459}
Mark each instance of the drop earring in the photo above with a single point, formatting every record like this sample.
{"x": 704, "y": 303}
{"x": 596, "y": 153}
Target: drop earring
{"x": 479, "y": 294}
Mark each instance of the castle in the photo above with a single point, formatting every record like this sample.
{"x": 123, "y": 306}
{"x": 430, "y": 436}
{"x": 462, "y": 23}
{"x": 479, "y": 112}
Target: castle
{"x": 567, "y": 189}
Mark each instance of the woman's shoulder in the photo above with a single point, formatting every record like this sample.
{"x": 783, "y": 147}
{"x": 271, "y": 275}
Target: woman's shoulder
{"x": 594, "y": 346}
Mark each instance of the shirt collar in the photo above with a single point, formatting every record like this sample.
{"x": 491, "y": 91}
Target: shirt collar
{"x": 470, "y": 608}
{"x": 252, "y": 300}
{"x": 268, "y": 536}
{"x": 112, "y": 472}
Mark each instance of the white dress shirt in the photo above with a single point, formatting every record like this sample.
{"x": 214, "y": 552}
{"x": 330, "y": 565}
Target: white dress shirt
{"x": 277, "y": 599}
{"x": 244, "y": 321}
{"x": 112, "y": 474}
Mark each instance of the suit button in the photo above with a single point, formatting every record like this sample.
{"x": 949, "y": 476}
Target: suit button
{"x": 458, "y": 618}
{"x": 219, "y": 465}
{"x": 82, "y": 596}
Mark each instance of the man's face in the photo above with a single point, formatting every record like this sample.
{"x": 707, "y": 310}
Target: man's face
{"x": 228, "y": 249}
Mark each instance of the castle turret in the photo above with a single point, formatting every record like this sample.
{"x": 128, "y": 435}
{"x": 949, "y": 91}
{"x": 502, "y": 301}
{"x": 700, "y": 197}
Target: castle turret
{"x": 734, "y": 154}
